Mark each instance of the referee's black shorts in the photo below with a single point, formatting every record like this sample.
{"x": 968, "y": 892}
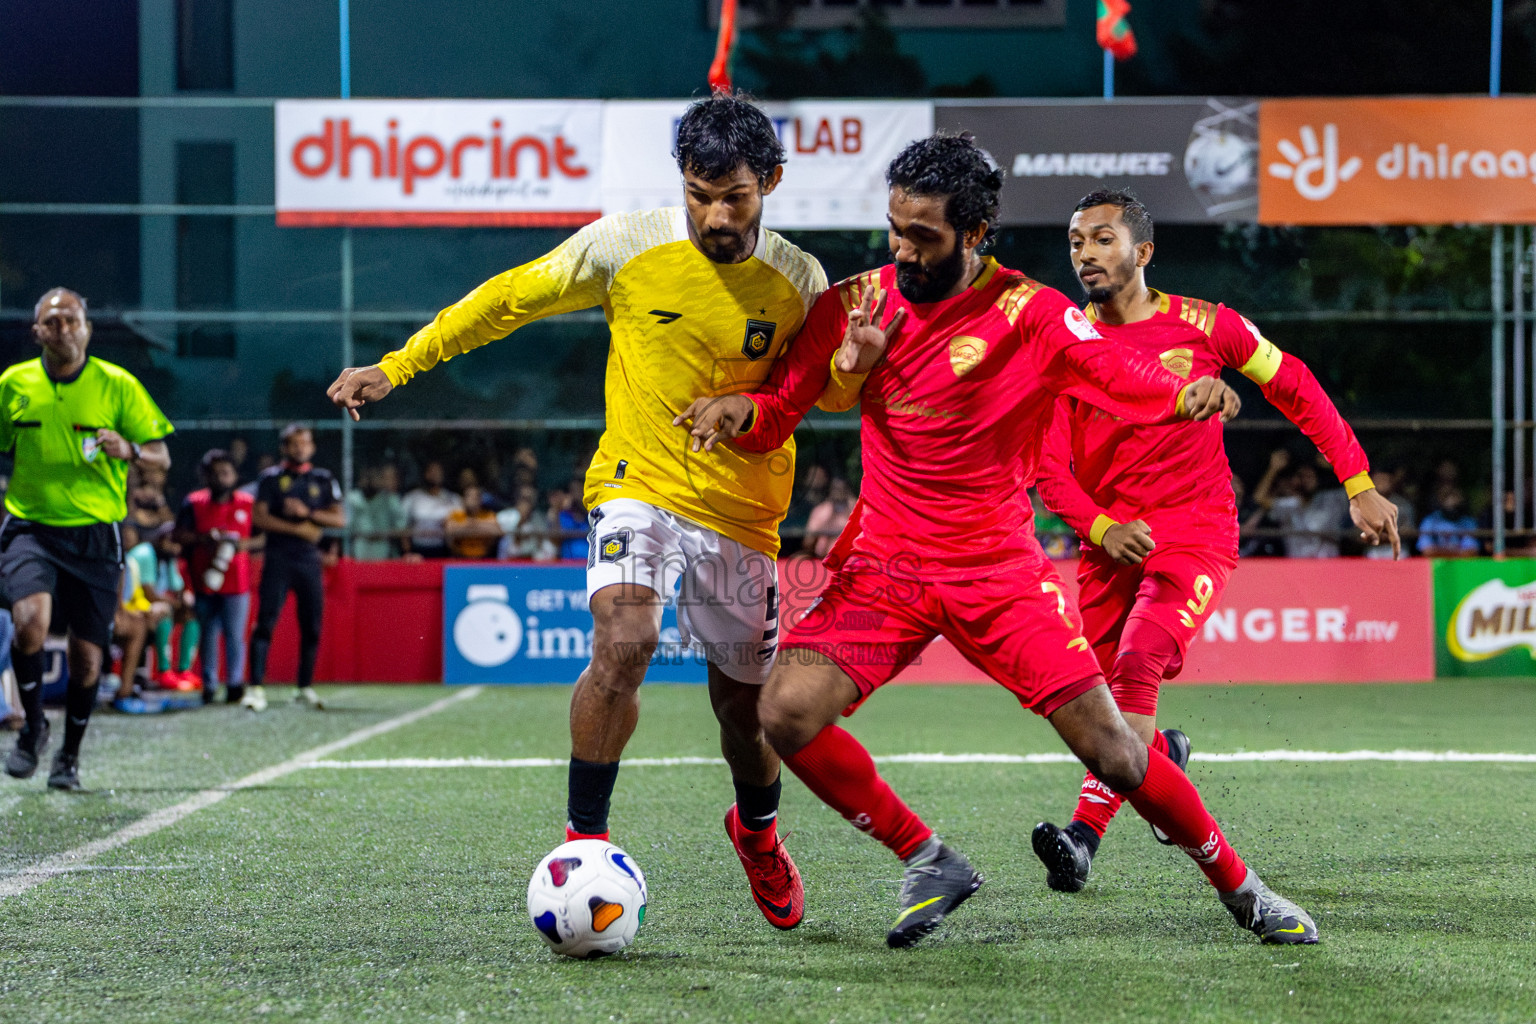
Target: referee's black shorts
{"x": 81, "y": 566}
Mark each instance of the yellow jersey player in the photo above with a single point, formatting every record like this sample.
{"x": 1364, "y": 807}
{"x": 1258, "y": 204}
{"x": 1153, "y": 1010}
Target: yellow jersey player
{"x": 699, "y": 299}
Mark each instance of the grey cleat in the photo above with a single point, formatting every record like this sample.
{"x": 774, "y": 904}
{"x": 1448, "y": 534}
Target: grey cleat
{"x": 65, "y": 774}
{"x": 1178, "y": 753}
{"x": 1268, "y": 915}
{"x": 929, "y": 892}
{"x": 1067, "y": 860}
{"x": 29, "y": 748}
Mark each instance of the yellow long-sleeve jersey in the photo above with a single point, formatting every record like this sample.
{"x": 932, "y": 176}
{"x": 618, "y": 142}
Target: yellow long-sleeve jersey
{"x": 682, "y": 326}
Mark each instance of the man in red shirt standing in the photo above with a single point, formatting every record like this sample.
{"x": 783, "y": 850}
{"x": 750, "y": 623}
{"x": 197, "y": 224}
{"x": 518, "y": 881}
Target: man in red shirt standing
{"x": 214, "y": 529}
{"x": 1153, "y": 504}
{"x": 941, "y": 541}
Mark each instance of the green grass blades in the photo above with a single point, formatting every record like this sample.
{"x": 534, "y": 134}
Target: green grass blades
{"x": 396, "y": 894}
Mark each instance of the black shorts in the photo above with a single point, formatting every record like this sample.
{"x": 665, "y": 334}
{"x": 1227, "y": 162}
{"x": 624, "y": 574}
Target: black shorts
{"x": 81, "y": 566}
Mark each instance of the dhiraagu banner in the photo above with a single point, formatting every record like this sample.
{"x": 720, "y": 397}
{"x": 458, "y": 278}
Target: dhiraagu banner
{"x": 1485, "y": 617}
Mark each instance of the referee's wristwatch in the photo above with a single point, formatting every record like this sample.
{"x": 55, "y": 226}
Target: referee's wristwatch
{"x": 137, "y": 449}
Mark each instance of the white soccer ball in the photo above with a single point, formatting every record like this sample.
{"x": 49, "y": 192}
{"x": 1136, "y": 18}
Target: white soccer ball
{"x": 587, "y": 899}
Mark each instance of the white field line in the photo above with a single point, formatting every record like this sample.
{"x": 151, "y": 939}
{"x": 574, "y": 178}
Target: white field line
{"x": 71, "y": 860}
{"x": 1301, "y": 756}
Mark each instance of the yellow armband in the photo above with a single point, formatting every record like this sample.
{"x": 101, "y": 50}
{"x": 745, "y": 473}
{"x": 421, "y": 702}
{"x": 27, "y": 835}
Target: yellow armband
{"x": 1358, "y": 484}
{"x": 1100, "y": 527}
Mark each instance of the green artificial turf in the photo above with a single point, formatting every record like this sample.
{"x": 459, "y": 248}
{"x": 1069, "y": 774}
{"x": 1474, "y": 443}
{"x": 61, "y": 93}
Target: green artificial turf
{"x": 397, "y": 894}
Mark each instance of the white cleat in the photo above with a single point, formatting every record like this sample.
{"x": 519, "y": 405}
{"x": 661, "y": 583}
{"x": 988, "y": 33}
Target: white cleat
{"x": 255, "y": 699}
{"x": 307, "y": 697}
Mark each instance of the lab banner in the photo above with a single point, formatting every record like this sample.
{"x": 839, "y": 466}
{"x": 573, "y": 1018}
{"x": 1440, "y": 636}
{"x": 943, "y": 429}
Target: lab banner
{"x": 836, "y": 152}
{"x": 1398, "y": 161}
{"x": 1190, "y": 161}
{"x": 530, "y": 624}
{"x": 1485, "y": 617}
{"x": 441, "y": 163}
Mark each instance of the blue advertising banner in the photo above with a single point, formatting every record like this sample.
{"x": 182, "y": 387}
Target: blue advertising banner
{"x": 530, "y": 624}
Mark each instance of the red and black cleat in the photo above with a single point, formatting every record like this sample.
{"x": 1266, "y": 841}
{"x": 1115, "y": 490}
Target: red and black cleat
{"x": 773, "y": 876}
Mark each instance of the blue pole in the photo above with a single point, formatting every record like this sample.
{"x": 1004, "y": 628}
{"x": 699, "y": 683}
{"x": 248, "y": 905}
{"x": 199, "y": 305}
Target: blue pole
{"x": 346, "y": 50}
{"x": 1109, "y": 71}
{"x": 1496, "y": 48}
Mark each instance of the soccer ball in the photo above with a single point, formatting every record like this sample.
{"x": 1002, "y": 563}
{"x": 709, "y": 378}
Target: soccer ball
{"x": 587, "y": 899}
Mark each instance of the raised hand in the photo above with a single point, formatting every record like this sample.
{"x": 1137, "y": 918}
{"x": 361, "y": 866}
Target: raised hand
{"x": 356, "y": 386}
{"x": 865, "y": 341}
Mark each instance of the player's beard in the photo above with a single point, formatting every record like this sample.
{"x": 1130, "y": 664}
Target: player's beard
{"x": 918, "y": 283}
{"x": 730, "y": 246}
{"x": 1114, "y": 282}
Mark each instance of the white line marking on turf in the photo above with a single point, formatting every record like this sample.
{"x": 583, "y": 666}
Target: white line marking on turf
{"x": 1301, "y": 756}
{"x": 70, "y": 860}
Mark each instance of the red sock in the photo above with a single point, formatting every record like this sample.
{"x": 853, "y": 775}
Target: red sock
{"x": 571, "y": 835}
{"x": 1097, "y": 805}
{"x": 837, "y": 768}
{"x": 1170, "y": 801}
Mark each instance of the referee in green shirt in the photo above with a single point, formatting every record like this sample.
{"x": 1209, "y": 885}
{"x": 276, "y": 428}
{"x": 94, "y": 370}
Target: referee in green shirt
{"x": 74, "y": 423}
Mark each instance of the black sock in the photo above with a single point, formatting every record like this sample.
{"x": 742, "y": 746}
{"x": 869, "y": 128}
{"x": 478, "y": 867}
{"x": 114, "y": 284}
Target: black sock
{"x": 79, "y": 702}
{"x": 757, "y": 806}
{"x": 29, "y": 681}
{"x": 309, "y": 651}
{"x": 1084, "y": 833}
{"x": 589, "y": 790}
{"x": 258, "y": 671}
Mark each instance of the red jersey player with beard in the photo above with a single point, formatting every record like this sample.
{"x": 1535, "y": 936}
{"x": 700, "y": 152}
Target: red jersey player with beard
{"x": 941, "y": 544}
{"x": 1153, "y": 503}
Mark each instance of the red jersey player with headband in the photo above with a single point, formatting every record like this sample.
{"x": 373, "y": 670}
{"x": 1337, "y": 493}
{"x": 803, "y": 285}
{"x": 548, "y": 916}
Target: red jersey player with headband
{"x": 967, "y": 359}
{"x": 1153, "y": 503}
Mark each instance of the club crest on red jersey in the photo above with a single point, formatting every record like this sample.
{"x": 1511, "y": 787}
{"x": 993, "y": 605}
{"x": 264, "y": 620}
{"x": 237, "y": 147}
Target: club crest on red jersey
{"x": 965, "y": 353}
{"x": 1178, "y": 360}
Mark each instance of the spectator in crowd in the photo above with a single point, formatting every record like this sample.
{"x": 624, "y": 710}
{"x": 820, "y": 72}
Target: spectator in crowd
{"x": 140, "y": 610}
{"x": 1056, "y": 538}
{"x": 427, "y": 507}
{"x": 214, "y": 528}
{"x": 147, "y": 504}
{"x": 1312, "y": 517}
{"x": 1520, "y": 544}
{"x": 1252, "y": 516}
{"x": 468, "y": 478}
{"x": 11, "y": 718}
{"x": 1388, "y": 484}
{"x": 827, "y": 519}
{"x": 238, "y": 451}
{"x": 811, "y": 491}
{"x": 377, "y": 514}
{"x": 1448, "y": 531}
{"x": 264, "y": 462}
{"x": 526, "y": 534}
{"x": 568, "y": 521}
{"x": 174, "y": 672}
{"x": 472, "y": 530}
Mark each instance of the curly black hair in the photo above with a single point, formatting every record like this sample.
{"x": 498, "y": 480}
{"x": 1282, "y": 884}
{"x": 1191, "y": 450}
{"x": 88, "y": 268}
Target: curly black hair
{"x": 725, "y": 131}
{"x": 952, "y": 165}
{"x": 1132, "y": 212}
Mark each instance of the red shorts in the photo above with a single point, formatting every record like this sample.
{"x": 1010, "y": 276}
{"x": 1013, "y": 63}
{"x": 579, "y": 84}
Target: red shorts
{"x": 1021, "y": 629}
{"x": 1176, "y": 587}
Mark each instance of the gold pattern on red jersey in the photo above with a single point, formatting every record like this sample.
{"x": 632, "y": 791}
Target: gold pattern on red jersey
{"x": 966, "y": 353}
{"x": 1013, "y": 300}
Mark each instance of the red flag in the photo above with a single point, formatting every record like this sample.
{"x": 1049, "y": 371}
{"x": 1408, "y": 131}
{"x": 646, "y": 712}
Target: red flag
{"x": 720, "y": 70}
{"x": 1113, "y": 33}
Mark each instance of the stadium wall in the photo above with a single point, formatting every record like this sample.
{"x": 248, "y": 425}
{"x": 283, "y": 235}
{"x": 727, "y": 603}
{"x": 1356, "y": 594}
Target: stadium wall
{"x": 1358, "y": 620}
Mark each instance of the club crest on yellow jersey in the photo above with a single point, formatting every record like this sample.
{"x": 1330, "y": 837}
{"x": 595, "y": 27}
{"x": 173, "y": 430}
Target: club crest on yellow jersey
{"x": 759, "y": 339}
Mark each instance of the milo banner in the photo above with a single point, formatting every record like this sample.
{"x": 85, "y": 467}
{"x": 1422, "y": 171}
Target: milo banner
{"x": 1485, "y": 617}
{"x": 1191, "y": 161}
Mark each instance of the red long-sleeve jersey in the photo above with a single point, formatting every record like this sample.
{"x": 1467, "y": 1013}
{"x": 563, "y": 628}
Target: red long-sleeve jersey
{"x": 954, "y": 416}
{"x": 1098, "y": 470}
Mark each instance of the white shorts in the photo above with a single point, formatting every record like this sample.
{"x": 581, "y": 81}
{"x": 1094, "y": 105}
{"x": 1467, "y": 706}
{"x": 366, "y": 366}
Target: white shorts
{"x": 726, "y": 593}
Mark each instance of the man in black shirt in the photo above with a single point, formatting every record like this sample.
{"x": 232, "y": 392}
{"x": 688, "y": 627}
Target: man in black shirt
{"x": 295, "y": 503}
